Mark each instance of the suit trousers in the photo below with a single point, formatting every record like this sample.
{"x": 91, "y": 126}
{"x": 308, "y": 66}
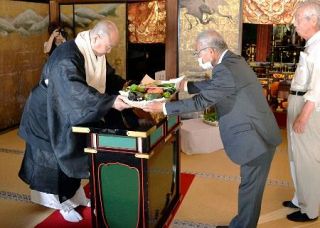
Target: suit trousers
{"x": 253, "y": 179}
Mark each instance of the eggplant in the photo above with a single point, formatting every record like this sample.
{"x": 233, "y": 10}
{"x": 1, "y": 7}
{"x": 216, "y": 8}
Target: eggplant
{"x": 132, "y": 96}
{"x": 135, "y": 96}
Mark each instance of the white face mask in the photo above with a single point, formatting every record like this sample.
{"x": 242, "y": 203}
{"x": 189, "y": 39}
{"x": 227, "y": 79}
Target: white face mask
{"x": 205, "y": 66}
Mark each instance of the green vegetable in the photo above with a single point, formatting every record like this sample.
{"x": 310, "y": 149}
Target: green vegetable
{"x": 167, "y": 85}
{"x": 212, "y": 116}
{"x": 133, "y": 87}
{"x": 166, "y": 94}
{"x": 139, "y": 92}
{"x": 141, "y": 88}
{"x": 152, "y": 96}
{"x": 170, "y": 90}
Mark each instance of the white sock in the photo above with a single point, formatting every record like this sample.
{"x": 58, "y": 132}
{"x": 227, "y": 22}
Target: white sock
{"x": 81, "y": 198}
{"x": 71, "y": 216}
{"x": 85, "y": 202}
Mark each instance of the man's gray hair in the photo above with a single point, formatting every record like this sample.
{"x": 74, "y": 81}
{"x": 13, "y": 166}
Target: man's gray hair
{"x": 310, "y": 8}
{"x": 211, "y": 38}
{"x": 104, "y": 27}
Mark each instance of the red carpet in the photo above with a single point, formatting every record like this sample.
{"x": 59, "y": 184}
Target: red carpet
{"x": 55, "y": 219}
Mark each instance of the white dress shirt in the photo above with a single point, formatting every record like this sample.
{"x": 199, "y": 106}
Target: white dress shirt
{"x": 307, "y": 75}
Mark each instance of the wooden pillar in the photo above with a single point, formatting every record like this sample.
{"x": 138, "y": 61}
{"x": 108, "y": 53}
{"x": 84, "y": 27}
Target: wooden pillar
{"x": 264, "y": 37}
{"x": 54, "y": 11}
{"x": 171, "y": 56}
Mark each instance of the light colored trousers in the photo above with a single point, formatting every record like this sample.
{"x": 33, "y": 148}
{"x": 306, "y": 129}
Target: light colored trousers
{"x": 304, "y": 152}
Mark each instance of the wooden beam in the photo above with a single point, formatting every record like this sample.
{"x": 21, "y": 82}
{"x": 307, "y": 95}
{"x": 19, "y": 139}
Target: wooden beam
{"x": 54, "y": 11}
{"x": 171, "y": 56}
{"x": 264, "y": 34}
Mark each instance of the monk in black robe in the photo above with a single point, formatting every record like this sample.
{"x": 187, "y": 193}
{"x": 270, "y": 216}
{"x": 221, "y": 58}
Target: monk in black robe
{"x": 77, "y": 86}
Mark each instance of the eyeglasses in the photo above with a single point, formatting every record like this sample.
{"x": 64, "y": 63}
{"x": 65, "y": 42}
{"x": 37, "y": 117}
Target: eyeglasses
{"x": 197, "y": 53}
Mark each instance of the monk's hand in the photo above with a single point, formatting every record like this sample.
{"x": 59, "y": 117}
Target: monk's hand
{"x": 155, "y": 106}
{"x": 119, "y": 103}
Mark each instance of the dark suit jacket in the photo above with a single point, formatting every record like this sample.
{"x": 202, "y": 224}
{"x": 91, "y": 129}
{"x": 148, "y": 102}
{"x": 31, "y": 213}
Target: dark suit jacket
{"x": 247, "y": 126}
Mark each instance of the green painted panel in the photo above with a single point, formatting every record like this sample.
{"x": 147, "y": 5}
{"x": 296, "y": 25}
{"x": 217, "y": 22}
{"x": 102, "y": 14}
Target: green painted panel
{"x": 172, "y": 120}
{"x": 156, "y": 135}
{"x": 120, "y": 195}
{"x": 122, "y": 142}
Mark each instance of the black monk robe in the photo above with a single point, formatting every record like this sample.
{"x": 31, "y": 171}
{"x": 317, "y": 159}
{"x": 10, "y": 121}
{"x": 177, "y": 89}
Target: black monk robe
{"x": 54, "y": 160}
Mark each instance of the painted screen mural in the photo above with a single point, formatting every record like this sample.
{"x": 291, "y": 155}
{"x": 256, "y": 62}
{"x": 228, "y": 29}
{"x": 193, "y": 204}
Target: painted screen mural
{"x": 198, "y": 15}
{"x": 23, "y": 30}
{"x": 147, "y": 22}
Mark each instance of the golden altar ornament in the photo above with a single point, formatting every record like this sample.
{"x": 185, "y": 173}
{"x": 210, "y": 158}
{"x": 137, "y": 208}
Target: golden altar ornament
{"x": 268, "y": 11}
{"x": 147, "y": 22}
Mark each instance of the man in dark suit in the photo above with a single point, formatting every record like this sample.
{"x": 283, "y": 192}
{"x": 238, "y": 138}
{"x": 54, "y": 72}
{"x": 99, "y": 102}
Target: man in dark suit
{"x": 248, "y": 129}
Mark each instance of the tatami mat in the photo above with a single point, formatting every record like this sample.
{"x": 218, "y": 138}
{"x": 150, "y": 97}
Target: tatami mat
{"x": 9, "y": 168}
{"x": 215, "y": 162}
{"x": 15, "y": 214}
{"x": 287, "y": 224}
{"x": 209, "y": 201}
{"x": 11, "y": 141}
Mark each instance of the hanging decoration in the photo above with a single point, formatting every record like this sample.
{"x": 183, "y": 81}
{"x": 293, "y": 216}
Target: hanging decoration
{"x": 268, "y": 11}
{"x": 147, "y": 22}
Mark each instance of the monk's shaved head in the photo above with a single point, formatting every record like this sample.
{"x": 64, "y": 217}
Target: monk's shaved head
{"x": 106, "y": 27}
{"x": 103, "y": 37}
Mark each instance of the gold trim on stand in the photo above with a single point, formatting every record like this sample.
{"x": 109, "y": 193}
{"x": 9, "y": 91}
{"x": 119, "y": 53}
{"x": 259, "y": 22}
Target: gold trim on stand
{"x": 137, "y": 134}
{"x": 90, "y": 150}
{"x": 142, "y": 134}
{"x": 168, "y": 137}
{"x": 80, "y": 129}
{"x": 143, "y": 155}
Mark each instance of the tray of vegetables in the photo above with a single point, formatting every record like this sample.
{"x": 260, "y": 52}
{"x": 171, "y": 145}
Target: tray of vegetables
{"x": 140, "y": 95}
{"x": 211, "y": 118}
